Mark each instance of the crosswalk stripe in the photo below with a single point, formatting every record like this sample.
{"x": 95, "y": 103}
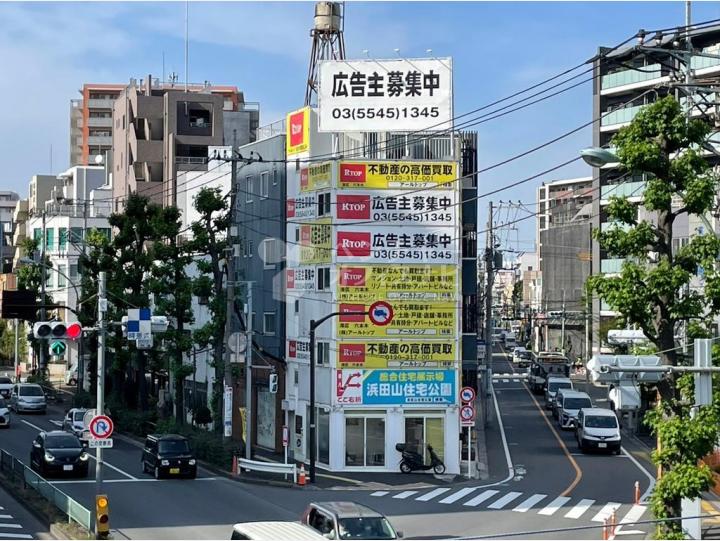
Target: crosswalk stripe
{"x": 380, "y": 493}
{"x": 5, "y": 516}
{"x": 502, "y": 502}
{"x": 6, "y": 525}
{"x": 554, "y": 505}
{"x": 579, "y": 509}
{"x": 459, "y": 494}
{"x": 636, "y": 511}
{"x": 432, "y": 494}
{"x": 404, "y": 494}
{"x": 15, "y": 536}
{"x": 477, "y": 500}
{"x": 506, "y": 381}
{"x": 606, "y": 511}
{"x": 527, "y": 504}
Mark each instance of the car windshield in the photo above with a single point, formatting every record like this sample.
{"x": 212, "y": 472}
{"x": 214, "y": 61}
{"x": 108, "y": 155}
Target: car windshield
{"x": 78, "y": 416}
{"x": 598, "y": 421}
{"x": 577, "y": 403}
{"x": 365, "y": 528}
{"x": 31, "y": 391}
{"x": 4, "y": 380}
{"x": 173, "y": 446}
{"x": 64, "y": 441}
{"x": 555, "y": 385}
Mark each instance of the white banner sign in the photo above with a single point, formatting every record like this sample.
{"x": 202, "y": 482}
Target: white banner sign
{"x": 393, "y": 244}
{"x": 303, "y": 206}
{"x": 397, "y": 207}
{"x": 385, "y": 95}
{"x": 227, "y": 411}
{"x": 303, "y": 279}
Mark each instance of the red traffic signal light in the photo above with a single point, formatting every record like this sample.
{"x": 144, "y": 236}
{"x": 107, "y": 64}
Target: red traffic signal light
{"x": 73, "y": 331}
{"x": 57, "y": 330}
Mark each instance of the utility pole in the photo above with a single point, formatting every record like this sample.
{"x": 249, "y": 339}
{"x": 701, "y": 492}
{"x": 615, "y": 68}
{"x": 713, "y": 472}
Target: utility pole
{"x": 489, "y": 260}
{"x": 17, "y": 372}
{"x": 102, "y": 307}
{"x": 43, "y": 359}
{"x": 562, "y": 326}
{"x": 248, "y": 374}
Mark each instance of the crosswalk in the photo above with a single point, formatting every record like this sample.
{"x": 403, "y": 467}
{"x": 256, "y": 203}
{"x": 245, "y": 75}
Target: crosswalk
{"x": 520, "y": 502}
{"x": 509, "y": 377}
{"x": 9, "y": 528}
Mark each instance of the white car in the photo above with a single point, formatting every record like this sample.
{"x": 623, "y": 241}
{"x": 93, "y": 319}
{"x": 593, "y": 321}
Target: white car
{"x": 521, "y": 356}
{"x": 73, "y": 422}
{"x": 6, "y": 385}
{"x": 4, "y": 413}
{"x": 598, "y": 428}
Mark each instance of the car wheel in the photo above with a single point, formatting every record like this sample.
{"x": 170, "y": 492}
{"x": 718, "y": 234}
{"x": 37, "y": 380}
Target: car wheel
{"x": 157, "y": 472}
{"x": 193, "y": 475}
{"x": 618, "y": 451}
{"x": 144, "y": 467}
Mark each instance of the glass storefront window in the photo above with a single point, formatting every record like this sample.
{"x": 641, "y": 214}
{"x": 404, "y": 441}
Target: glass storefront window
{"x": 354, "y": 441}
{"x": 375, "y": 442}
{"x": 323, "y": 436}
{"x": 364, "y": 441}
{"x": 423, "y": 431}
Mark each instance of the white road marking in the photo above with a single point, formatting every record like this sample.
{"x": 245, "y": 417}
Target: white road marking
{"x": 554, "y": 505}
{"x": 477, "y": 500}
{"x": 15, "y": 536}
{"x": 459, "y": 494}
{"x": 650, "y": 477}
{"x": 502, "y": 502}
{"x": 380, "y": 493}
{"x": 88, "y": 481}
{"x": 636, "y": 511}
{"x": 405, "y": 494}
{"x": 432, "y": 494}
{"x": 36, "y": 427}
{"x": 579, "y": 509}
{"x": 5, "y": 516}
{"x": 527, "y": 504}
{"x": 8, "y": 525}
{"x": 116, "y": 469}
{"x": 606, "y": 511}
{"x": 56, "y": 423}
{"x": 506, "y": 381}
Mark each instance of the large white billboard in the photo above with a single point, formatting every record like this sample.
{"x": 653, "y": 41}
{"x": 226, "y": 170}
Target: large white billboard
{"x": 385, "y": 95}
{"x": 396, "y": 207}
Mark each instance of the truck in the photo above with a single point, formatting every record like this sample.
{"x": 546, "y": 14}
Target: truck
{"x": 509, "y": 340}
{"x": 547, "y": 364}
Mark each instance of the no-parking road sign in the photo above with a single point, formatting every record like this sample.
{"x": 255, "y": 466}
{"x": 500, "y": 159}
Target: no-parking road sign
{"x": 381, "y": 313}
{"x": 101, "y": 427}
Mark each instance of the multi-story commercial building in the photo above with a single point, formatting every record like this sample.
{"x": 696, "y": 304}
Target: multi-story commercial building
{"x": 40, "y": 189}
{"x": 625, "y": 81}
{"x": 160, "y": 130}
{"x": 563, "y": 201}
{"x": 91, "y": 122}
{"x": 8, "y": 202}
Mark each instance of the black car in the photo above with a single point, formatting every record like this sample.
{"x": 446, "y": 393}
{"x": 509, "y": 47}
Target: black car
{"x": 168, "y": 455}
{"x": 58, "y": 453}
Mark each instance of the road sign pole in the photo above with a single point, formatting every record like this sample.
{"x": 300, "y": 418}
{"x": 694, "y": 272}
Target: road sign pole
{"x": 102, "y": 306}
{"x": 469, "y": 438}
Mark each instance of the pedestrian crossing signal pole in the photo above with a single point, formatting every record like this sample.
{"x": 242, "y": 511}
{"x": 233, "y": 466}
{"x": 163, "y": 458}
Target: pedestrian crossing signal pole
{"x": 102, "y": 517}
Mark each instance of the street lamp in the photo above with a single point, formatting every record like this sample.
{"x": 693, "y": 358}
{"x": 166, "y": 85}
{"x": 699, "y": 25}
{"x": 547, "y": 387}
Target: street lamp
{"x": 598, "y": 157}
{"x": 313, "y": 434}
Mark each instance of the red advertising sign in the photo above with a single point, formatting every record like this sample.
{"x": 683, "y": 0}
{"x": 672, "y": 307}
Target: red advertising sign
{"x": 353, "y": 172}
{"x": 353, "y": 207}
{"x": 297, "y": 128}
{"x": 359, "y": 318}
{"x": 290, "y": 279}
{"x": 352, "y": 354}
{"x": 353, "y": 244}
{"x": 304, "y": 177}
{"x": 290, "y": 207}
{"x": 352, "y": 276}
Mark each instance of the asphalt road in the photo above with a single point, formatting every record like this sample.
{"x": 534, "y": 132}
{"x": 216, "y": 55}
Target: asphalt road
{"x": 551, "y": 487}
{"x": 16, "y": 522}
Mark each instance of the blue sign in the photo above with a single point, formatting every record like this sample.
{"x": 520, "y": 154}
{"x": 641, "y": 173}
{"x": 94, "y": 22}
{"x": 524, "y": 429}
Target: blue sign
{"x": 407, "y": 387}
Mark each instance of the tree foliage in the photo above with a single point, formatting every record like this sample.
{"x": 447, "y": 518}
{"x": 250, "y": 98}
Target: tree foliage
{"x": 653, "y": 289}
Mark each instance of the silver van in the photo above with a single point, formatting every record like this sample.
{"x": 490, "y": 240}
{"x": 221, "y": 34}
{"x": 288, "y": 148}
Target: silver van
{"x": 553, "y": 385}
{"x": 27, "y": 397}
{"x": 274, "y": 531}
{"x": 568, "y": 405}
{"x": 598, "y": 428}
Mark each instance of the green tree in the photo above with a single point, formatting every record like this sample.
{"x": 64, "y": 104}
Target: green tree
{"x": 7, "y": 341}
{"x": 663, "y": 144}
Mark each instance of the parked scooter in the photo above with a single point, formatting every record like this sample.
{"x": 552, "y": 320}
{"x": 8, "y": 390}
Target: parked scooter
{"x": 412, "y": 461}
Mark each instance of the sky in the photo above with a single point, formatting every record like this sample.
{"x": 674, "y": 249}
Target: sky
{"x": 48, "y": 50}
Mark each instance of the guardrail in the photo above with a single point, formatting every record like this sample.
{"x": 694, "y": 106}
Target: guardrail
{"x": 268, "y": 467}
{"x": 64, "y": 503}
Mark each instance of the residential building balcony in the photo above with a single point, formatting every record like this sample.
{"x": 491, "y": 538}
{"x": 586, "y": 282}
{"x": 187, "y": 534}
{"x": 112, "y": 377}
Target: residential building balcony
{"x": 100, "y": 104}
{"x": 99, "y": 122}
{"x": 702, "y": 62}
{"x": 630, "y": 76}
{"x": 624, "y": 115}
{"x": 105, "y": 140}
{"x": 624, "y": 189}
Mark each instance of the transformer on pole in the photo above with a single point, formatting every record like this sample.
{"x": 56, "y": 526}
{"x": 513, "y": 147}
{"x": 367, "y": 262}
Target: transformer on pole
{"x": 328, "y": 42}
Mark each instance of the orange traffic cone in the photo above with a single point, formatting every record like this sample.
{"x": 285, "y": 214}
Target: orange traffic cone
{"x": 301, "y": 477}
{"x": 605, "y": 529}
{"x": 235, "y": 465}
{"x": 637, "y": 492}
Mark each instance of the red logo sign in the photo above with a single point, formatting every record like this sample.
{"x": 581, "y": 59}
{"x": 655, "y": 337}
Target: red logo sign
{"x": 352, "y": 353}
{"x": 304, "y": 178}
{"x": 350, "y": 244}
{"x": 360, "y": 318}
{"x": 353, "y": 172}
{"x": 291, "y": 279}
{"x": 297, "y": 128}
{"x": 290, "y": 207}
{"x": 354, "y": 276}
{"x": 292, "y": 348}
{"x": 305, "y": 235}
{"x": 353, "y": 207}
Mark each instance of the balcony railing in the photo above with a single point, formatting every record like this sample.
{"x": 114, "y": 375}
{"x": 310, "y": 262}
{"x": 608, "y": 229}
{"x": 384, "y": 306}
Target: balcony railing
{"x": 625, "y": 189}
{"x": 621, "y": 116}
{"x": 99, "y": 122}
{"x": 611, "y": 266}
{"x": 700, "y": 62}
{"x": 190, "y": 160}
{"x": 630, "y": 76}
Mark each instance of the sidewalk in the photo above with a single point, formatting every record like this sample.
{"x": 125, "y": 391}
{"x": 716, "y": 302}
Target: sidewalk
{"x": 710, "y": 505}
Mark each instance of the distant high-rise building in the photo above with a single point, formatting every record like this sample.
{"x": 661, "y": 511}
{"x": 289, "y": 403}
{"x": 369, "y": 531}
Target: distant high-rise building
{"x": 91, "y": 122}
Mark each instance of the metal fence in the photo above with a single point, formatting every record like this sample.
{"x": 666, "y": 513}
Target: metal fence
{"x": 64, "y": 503}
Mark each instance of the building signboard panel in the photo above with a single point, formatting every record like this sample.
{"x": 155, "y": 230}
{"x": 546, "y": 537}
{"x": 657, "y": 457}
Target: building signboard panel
{"x": 315, "y": 243}
{"x": 368, "y": 283}
{"x": 385, "y": 95}
{"x": 411, "y": 319}
{"x": 395, "y": 387}
{"x": 316, "y": 176}
{"x": 298, "y": 349}
{"x": 298, "y": 131}
{"x": 384, "y": 175}
{"x": 394, "y": 244}
{"x": 301, "y": 207}
{"x": 301, "y": 279}
{"x": 397, "y": 207}
{"x": 395, "y": 354}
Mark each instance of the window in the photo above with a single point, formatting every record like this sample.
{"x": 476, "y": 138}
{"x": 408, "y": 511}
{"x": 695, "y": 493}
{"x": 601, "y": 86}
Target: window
{"x": 297, "y": 234}
{"x": 76, "y": 235}
{"x": 249, "y": 189}
{"x": 275, "y": 177}
{"x": 73, "y": 271}
{"x": 269, "y": 249}
{"x": 49, "y": 238}
{"x": 62, "y": 270}
{"x": 49, "y": 279}
{"x": 269, "y": 323}
{"x": 264, "y": 184}
{"x": 323, "y": 208}
{"x": 364, "y": 441}
{"x": 63, "y": 238}
{"x": 253, "y": 321}
{"x": 323, "y": 354}
{"x": 323, "y": 278}
{"x": 37, "y": 235}
{"x": 296, "y": 379}
{"x": 297, "y": 306}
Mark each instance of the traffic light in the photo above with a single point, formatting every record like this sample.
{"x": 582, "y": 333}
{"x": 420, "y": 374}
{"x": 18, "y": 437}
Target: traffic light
{"x": 102, "y": 516}
{"x": 57, "y": 330}
{"x": 273, "y": 383}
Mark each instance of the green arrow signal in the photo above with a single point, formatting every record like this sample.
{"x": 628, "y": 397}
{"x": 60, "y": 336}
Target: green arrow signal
{"x": 58, "y": 348}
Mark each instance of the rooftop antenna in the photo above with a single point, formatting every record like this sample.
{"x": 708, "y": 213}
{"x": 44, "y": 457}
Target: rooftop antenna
{"x": 187, "y": 73}
{"x": 328, "y": 42}
{"x": 163, "y": 67}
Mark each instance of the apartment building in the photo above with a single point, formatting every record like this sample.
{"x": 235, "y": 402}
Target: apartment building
{"x": 563, "y": 201}
{"x": 91, "y": 122}
{"x": 626, "y": 81}
{"x": 8, "y": 202}
{"x": 160, "y": 130}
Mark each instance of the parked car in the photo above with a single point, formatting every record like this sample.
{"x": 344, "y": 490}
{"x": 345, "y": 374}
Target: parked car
{"x": 168, "y": 455}
{"x": 74, "y": 422}
{"x": 348, "y": 520}
{"x": 57, "y": 453}
{"x": 28, "y": 397}
{"x": 598, "y": 428}
{"x": 6, "y": 385}
{"x": 71, "y": 376}
{"x": 522, "y": 357}
{"x": 272, "y": 531}
{"x": 569, "y": 403}
{"x": 552, "y": 386}
{"x": 4, "y": 413}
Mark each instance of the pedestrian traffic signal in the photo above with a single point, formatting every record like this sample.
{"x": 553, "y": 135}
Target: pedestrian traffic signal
{"x": 273, "y": 383}
{"x": 57, "y": 330}
{"x": 102, "y": 516}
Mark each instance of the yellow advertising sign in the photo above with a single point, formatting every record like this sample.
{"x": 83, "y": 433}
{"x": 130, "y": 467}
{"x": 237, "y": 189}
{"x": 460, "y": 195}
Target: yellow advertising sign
{"x": 390, "y": 174}
{"x": 298, "y": 131}
{"x": 315, "y": 243}
{"x": 392, "y": 283}
{"x": 316, "y": 177}
{"x": 379, "y": 354}
{"x": 411, "y": 318}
